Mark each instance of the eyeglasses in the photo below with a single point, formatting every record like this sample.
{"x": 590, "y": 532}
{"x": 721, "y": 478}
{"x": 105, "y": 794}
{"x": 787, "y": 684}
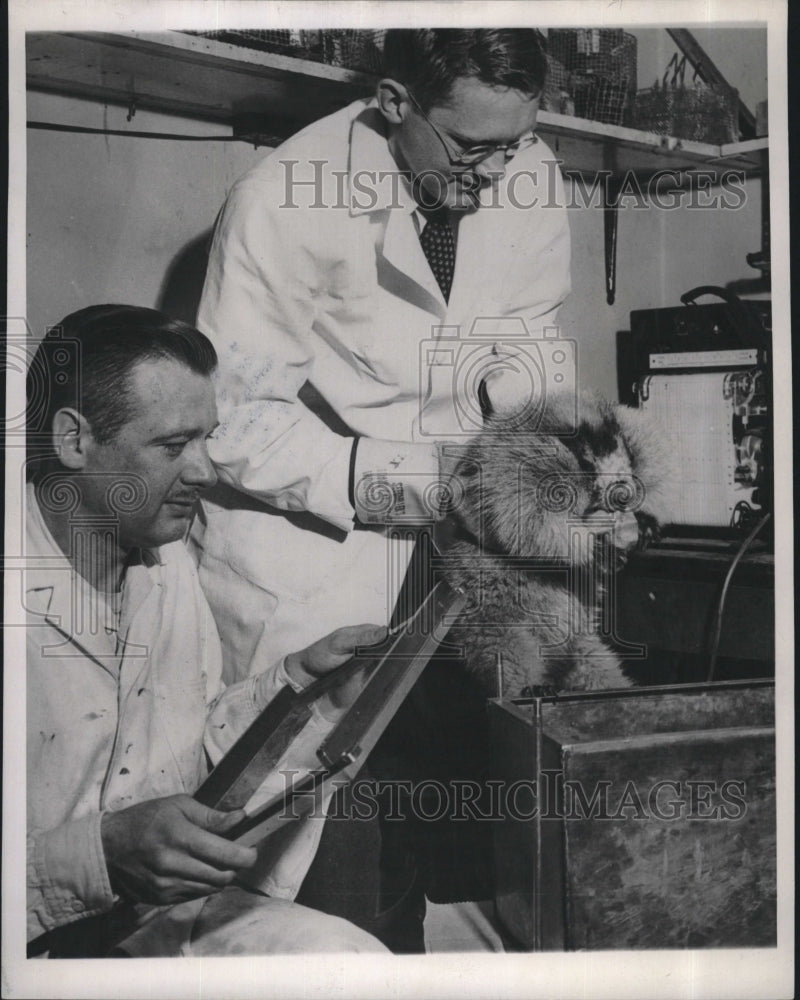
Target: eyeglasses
{"x": 475, "y": 154}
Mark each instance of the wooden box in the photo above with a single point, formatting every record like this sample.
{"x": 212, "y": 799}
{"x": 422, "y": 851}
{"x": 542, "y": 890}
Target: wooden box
{"x": 637, "y": 819}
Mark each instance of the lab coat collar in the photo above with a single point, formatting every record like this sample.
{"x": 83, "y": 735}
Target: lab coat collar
{"x": 371, "y": 161}
{"x": 54, "y": 591}
{"x": 373, "y": 166}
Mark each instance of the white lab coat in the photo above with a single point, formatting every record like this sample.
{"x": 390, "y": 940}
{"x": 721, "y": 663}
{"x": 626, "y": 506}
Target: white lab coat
{"x": 326, "y": 282}
{"x": 110, "y": 724}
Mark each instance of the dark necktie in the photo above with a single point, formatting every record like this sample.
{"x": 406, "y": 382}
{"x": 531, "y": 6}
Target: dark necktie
{"x": 439, "y": 245}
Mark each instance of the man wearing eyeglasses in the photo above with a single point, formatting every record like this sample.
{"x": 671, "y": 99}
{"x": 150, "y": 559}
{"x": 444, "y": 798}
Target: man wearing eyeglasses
{"x": 348, "y": 272}
{"x": 455, "y": 183}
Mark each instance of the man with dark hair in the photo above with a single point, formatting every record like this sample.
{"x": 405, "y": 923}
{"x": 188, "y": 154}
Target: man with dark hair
{"x": 431, "y": 62}
{"x": 101, "y": 345}
{"x": 125, "y": 706}
{"x": 338, "y": 264}
{"x": 360, "y": 285}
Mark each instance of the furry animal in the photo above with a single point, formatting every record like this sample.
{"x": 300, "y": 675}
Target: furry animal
{"x": 545, "y": 518}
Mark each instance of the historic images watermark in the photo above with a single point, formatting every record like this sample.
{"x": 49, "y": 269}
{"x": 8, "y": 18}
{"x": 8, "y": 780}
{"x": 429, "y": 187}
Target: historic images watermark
{"x": 552, "y": 797}
{"x": 667, "y": 189}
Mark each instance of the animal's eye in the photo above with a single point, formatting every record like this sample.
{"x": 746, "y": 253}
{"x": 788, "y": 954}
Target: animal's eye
{"x": 623, "y": 495}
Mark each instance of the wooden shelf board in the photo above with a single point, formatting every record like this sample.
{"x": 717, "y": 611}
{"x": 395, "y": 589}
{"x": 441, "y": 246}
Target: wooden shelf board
{"x": 205, "y": 78}
{"x": 588, "y": 146}
{"x": 189, "y": 75}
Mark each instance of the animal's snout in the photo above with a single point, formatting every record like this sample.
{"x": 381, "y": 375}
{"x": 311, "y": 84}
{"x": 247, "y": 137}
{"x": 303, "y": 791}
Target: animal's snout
{"x": 622, "y": 527}
{"x": 626, "y": 530}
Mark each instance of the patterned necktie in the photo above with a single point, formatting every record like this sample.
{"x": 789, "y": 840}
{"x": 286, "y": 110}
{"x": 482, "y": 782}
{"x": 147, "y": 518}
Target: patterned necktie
{"x": 439, "y": 245}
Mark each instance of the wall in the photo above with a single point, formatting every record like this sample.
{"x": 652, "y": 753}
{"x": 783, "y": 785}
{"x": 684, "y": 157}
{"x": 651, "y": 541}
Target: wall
{"x": 660, "y": 255}
{"x": 116, "y": 218}
{"x": 122, "y": 219}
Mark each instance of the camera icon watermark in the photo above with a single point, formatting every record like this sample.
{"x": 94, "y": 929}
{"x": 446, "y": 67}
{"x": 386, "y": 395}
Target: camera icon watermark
{"x": 526, "y": 384}
{"x": 47, "y": 368}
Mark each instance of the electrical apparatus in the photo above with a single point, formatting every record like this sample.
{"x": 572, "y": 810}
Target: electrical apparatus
{"x": 704, "y": 372}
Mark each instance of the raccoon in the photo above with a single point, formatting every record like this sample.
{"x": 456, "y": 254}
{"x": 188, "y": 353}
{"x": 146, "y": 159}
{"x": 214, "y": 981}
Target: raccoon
{"x": 545, "y": 512}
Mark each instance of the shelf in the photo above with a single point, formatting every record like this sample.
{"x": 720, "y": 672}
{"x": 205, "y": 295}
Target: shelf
{"x": 205, "y": 78}
{"x": 587, "y": 146}
{"x": 190, "y": 75}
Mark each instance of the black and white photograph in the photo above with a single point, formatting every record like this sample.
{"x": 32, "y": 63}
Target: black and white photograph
{"x": 398, "y": 470}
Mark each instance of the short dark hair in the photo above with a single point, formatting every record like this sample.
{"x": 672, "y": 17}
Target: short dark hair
{"x": 430, "y": 60}
{"x": 85, "y": 362}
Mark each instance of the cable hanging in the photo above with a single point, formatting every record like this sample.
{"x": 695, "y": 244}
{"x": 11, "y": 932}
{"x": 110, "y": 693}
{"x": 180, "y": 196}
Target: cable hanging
{"x": 720, "y": 610}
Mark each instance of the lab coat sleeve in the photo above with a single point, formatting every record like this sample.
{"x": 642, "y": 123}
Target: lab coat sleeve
{"x": 67, "y": 878}
{"x": 258, "y": 308}
{"x": 285, "y": 857}
{"x": 236, "y": 707}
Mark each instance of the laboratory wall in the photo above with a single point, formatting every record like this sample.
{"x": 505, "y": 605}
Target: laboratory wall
{"x": 123, "y": 219}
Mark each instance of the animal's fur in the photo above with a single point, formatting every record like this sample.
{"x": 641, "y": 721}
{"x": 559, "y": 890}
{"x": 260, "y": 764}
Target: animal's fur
{"x": 526, "y": 492}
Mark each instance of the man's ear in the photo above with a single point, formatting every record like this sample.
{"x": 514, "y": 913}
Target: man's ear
{"x": 72, "y": 438}
{"x": 392, "y": 100}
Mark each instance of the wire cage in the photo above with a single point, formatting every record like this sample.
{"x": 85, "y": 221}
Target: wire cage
{"x": 286, "y": 41}
{"x": 699, "y": 111}
{"x": 350, "y": 48}
{"x": 359, "y": 49}
{"x": 557, "y": 94}
{"x": 602, "y": 65}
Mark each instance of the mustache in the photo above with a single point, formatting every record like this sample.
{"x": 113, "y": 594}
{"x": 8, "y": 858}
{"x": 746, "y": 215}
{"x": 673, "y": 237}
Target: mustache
{"x": 191, "y": 497}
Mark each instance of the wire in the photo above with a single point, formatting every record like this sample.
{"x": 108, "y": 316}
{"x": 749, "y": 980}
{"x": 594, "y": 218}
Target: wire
{"x": 712, "y": 662}
{"x": 254, "y": 139}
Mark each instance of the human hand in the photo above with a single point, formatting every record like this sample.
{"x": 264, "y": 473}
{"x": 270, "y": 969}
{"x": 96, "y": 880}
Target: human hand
{"x": 513, "y": 384}
{"x": 168, "y": 850}
{"x": 332, "y": 651}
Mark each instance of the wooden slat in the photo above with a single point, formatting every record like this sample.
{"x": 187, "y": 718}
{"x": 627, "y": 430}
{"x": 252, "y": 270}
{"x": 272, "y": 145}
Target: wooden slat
{"x": 191, "y": 76}
{"x": 205, "y": 78}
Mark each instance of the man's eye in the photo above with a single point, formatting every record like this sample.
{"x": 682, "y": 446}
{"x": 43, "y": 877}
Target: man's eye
{"x": 174, "y": 448}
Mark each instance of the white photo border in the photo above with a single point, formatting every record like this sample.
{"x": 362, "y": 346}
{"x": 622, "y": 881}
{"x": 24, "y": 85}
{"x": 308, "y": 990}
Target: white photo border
{"x": 762, "y": 973}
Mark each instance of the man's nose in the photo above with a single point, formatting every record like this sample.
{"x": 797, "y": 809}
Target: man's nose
{"x": 199, "y": 471}
{"x": 494, "y": 166}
